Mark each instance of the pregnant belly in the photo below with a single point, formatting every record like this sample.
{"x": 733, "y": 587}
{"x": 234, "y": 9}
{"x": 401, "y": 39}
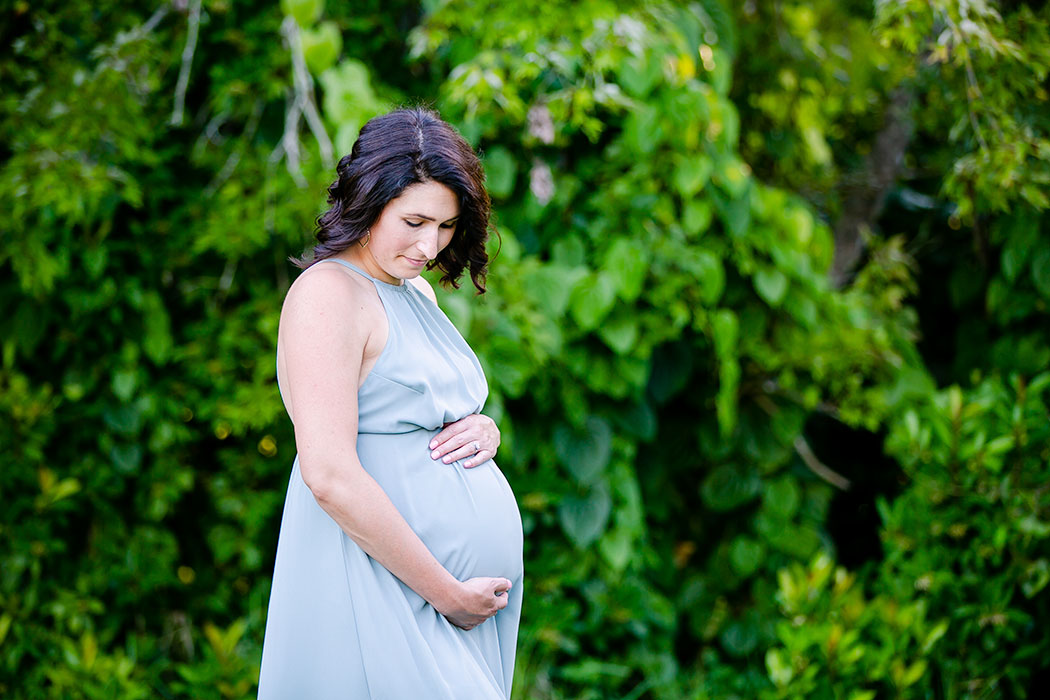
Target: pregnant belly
{"x": 468, "y": 518}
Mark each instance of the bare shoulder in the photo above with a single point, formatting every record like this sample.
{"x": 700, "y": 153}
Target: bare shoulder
{"x": 422, "y": 285}
{"x": 328, "y": 298}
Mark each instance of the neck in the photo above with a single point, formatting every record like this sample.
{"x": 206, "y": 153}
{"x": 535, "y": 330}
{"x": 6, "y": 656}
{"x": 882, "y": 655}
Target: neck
{"x": 362, "y": 257}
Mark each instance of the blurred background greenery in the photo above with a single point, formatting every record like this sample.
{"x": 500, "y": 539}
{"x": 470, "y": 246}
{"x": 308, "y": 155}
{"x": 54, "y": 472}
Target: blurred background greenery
{"x": 767, "y": 331}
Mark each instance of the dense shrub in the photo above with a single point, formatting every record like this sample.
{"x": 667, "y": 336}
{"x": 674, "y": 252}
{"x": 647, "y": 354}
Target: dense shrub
{"x": 659, "y": 329}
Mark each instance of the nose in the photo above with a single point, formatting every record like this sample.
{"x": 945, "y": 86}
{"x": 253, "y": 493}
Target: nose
{"x": 427, "y": 245}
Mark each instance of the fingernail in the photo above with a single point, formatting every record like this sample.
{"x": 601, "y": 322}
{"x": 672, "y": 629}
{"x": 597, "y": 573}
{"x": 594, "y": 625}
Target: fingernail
{"x": 433, "y": 444}
{"x": 434, "y": 454}
{"x": 446, "y": 459}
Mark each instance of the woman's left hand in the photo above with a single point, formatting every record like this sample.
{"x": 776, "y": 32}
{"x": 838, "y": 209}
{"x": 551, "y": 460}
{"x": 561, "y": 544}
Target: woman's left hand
{"x": 475, "y": 436}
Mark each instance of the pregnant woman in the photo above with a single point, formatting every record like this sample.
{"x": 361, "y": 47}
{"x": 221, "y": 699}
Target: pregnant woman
{"x": 399, "y": 564}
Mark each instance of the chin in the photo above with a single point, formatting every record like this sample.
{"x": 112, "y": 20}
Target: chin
{"x": 408, "y": 271}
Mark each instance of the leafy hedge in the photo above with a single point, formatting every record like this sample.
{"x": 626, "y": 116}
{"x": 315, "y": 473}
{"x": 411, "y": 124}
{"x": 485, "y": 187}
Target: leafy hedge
{"x": 658, "y": 335}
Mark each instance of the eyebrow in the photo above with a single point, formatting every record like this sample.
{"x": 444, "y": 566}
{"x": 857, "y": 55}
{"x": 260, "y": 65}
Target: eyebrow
{"x": 423, "y": 216}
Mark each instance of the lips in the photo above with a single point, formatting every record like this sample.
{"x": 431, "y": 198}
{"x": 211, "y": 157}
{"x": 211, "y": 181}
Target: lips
{"x": 417, "y": 263}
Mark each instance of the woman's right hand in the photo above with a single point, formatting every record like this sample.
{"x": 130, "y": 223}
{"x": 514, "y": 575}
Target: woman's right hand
{"x": 475, "y": 601}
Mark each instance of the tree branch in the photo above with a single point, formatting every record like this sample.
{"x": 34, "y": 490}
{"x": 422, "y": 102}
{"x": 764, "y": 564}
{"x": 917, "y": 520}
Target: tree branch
{"x": 819, "y": 468}
{"x": 187, "y": 61}
{"x": 805, "y": 451}
{"x": 304, "y": 91}
{"x": 235, "y": 157}
{"x": 290, "y": 140}
{"x": 864, "y": 200}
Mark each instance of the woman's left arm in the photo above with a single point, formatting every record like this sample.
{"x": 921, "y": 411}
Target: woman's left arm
{"x": 475, "y": 436}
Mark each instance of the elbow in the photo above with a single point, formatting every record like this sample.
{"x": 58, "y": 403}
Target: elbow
{"x": 322, "y": 481}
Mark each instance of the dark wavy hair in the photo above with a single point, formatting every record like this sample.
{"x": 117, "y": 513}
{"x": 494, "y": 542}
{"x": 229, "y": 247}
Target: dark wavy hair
{"x": 393, "y": 151}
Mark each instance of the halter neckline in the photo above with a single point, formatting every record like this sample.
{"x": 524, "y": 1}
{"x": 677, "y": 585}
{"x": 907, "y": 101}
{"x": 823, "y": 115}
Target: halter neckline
{"x": 403, "y": 287}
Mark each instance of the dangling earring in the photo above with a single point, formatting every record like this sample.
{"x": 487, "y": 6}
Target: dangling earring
{"x": 367, "y": 239}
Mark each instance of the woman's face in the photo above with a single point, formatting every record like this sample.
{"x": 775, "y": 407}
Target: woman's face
{"x": 410, "y": 232}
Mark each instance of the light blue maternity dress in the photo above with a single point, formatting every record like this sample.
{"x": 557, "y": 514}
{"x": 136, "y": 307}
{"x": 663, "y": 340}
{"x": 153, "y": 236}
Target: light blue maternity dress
{"x": 339, "y": 624}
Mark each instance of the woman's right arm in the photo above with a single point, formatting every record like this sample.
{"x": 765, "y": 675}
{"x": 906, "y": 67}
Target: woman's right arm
{"x": 325, "y": 324}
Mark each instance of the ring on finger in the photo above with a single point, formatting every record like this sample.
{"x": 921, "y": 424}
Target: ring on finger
{"x": 477, "y": 447}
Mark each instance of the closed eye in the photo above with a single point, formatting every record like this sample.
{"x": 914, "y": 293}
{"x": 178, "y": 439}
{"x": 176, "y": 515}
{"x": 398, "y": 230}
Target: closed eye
{"x": 417, "y": 224}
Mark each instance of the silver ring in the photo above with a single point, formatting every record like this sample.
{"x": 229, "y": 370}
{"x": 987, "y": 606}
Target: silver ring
{"x": 477, "y": 447}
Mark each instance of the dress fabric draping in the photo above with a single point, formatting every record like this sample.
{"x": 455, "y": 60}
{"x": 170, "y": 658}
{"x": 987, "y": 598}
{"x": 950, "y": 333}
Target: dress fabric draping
{"x": 339, "y": 625}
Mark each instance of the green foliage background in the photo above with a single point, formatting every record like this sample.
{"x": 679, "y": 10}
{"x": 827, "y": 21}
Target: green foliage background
{"x": 692, "y": 408}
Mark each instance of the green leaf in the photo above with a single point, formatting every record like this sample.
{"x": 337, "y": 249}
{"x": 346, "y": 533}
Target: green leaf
{"x": 710, "y": 273}
{"x": 638, "y": 76}
{"x": 933, "y": 635}
{"x": 798, "y": 541}
{"x": 500, "y": 171}
{"x": 628, "y": 262}
{"x": 585, "y": 453}
{"x": 771, "y": 284}
{"x": 550, "y": 286}
{"x": 740, "y": 637}
{"x": 157, "y": 341}
{"x": 729, "y": 486}
{"x": 126, "y": 458}
{"x": 507, "y": 365}
{"x": 5, "y": 625}
{"x": 672, "y": 365}
{"x": 584, "y": 519}
{"x": 459, "y": 310}
{"x": 1041, "y": 269}
{"x": 617, "y": 546}
{"x": 95, "y": 260}
{"x": 725, "y": 329}
{"x": 641, "y": 132}
{"x": 349, "y": 100}
{"x": 778, "y": 665}
{"x": 592, "y": 299}
{"x": 62, "y": 489}
{"x": 746, "y": 555}
{"x": 569, "y": 251}
{"x": 691, "y": 174}
{"x": 697, "y": 215}
{"x": 124, "y": 384}
{"x": 782, "y": 496}
{"x": 862, "y": 695}
{"x": 735, "y": 213}
{"x": 733, "y": 175}
{"x": 305, "y": 12}
{"x": 322, "y": 46}
{"x": 802, "y": 309}
{"x": 591, "y": 670}
{"x": 912, "y": 674}
{"x": 638, "y": 420}
{"x": 620, "y": 334}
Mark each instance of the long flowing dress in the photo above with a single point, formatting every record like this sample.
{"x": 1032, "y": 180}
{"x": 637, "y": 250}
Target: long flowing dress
{"x": 339, "y": 624}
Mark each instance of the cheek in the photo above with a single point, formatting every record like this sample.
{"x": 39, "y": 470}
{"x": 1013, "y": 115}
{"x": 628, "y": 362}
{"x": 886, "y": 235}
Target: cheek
{"x": 398, "y": 241}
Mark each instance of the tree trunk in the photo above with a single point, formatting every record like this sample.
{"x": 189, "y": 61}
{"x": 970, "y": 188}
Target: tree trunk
{"x": 867, "y": 195}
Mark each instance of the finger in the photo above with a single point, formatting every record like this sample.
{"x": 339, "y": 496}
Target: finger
{"x": 479, "y": 458}
{"x": 461, "y": 453}
{"x": 452, "y": 443}
{"x": 500, "y": 584}
{"x": 462, "y": 624}
{"x": 450, "y": 430}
